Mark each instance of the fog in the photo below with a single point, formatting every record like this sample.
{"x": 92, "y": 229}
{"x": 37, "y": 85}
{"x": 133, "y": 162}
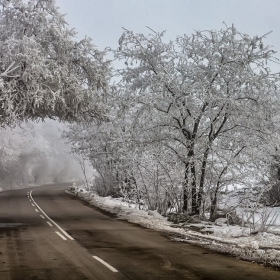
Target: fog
{"x": 34, "y": 154}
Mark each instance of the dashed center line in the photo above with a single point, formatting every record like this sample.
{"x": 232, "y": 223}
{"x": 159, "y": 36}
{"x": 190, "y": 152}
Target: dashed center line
{"x": 53, "y": 222}
{"x": 104, "y": 263}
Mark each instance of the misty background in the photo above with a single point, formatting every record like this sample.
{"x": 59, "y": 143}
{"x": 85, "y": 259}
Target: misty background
{"x": 35, "y": 153}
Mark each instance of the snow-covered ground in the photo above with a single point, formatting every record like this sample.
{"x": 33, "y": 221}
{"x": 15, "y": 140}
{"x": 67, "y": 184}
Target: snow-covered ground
{"x": 234, "y": 240}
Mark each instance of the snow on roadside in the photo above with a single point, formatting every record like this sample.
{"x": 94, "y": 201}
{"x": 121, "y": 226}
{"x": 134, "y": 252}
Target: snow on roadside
{"x": 234, "y": 240}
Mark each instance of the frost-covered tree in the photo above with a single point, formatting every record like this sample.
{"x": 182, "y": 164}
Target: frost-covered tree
{"x": 44, "y": 70}
{"x": 127, "y": 163}
{"x": 95, "y": 143}
{"x": 105, "y": 145}
{"x": 202, "y": 91}
{"x": 189, "y": 118}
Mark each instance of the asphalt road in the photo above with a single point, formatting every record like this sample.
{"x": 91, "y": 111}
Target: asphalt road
{"x": 48, "y": 234}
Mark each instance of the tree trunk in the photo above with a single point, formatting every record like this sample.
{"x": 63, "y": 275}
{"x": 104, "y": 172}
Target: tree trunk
{"x": 202, "y": 179}
{"x": 213, "y": 206}
{"x": 195, "y": 209}
{"x": 186, "y": 189}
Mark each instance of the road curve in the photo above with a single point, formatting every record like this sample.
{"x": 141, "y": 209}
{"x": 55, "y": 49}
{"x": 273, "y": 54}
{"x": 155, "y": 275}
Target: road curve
{"x": 48, "y": 234}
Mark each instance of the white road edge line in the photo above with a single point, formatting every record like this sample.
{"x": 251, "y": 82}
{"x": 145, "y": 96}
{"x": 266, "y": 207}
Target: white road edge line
{"x": 61, "y": 229}
{"x": 104, "y": 263}
{"x": 49, "y": 224}
{"x": 59, "y": 234}
{"x": 42, "y": 217}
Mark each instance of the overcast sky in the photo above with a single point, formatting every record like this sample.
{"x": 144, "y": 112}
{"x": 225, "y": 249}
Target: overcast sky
{"x": 102, "y": 20}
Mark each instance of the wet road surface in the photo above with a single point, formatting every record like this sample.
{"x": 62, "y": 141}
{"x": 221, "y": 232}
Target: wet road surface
{"x": 48, "y": 234}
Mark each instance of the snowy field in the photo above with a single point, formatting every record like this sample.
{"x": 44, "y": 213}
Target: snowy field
{"x": 234, "y": 240}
